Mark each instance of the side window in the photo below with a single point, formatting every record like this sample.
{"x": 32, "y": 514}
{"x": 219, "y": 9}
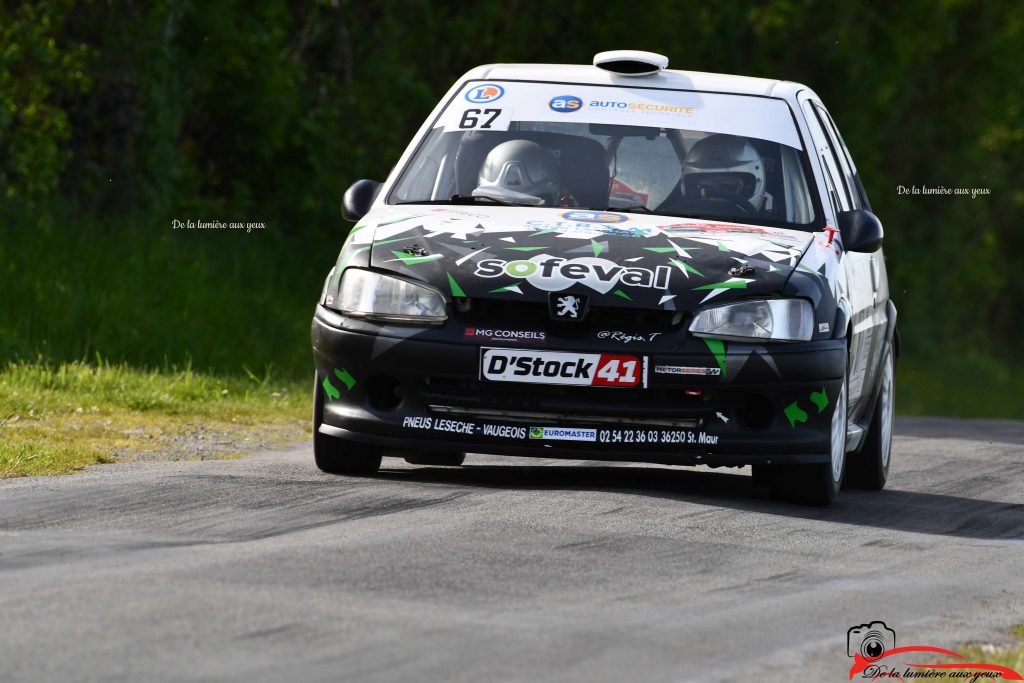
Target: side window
{"x": 833, "y": 176}
{"x": 429, "y": 176}
{"x": 796, "y": 195}
{"x": 860, "y": 196}
{"x": 841, "y": 154}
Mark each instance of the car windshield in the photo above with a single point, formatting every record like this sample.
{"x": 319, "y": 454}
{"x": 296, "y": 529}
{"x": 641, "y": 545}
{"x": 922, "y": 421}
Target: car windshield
{"x": 668, "y": 152}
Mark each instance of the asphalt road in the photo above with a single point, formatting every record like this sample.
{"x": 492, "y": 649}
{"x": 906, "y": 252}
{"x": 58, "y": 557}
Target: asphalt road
{"x": 264, "y": 569}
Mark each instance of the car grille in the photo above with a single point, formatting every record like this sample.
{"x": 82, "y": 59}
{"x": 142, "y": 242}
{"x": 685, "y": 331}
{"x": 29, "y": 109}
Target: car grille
{"x": 478, "y": 312}
{"x": 550, "y": 403}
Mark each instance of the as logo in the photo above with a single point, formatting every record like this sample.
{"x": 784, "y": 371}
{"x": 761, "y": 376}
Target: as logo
{"x": 566, "y": 104}
{"x": 488, "y": 92}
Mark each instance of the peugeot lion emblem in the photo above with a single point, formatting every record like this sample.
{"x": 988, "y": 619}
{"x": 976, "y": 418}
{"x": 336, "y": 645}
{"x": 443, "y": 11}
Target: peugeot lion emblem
{"x": 567, "y": 306}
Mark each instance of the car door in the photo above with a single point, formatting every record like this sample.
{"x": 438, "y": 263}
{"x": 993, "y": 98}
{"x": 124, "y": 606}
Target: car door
{"x": 860, "y": 290}
{"x": 874, "y": 323}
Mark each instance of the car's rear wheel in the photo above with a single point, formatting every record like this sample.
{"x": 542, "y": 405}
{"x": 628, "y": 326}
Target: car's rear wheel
{"x": 436, "y": 458}
{"x": 819, "y": 483}
{"x": 338, "y": 456}
{"x": 869, "y": 469}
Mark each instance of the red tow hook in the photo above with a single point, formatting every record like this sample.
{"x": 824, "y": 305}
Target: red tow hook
{"x": 831, "y": 233}
{"x": 692, "y": 392}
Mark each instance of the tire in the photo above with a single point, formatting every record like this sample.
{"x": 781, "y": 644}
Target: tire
{"x": 436, "y": 458}
{"x": 869, "y": 469}
{"x": 819, "y": 483}
{"x": 338, "y": 456}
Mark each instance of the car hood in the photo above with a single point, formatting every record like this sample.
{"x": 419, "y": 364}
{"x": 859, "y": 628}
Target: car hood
{"x": 619, "y": 260}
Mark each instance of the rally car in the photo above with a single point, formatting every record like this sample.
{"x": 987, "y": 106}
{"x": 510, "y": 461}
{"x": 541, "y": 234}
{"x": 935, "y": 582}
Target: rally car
{"x": 617, "y": 262}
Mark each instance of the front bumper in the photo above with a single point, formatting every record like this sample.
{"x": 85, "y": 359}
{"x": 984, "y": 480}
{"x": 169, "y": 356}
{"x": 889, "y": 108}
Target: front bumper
{"x": 411, "y": 388}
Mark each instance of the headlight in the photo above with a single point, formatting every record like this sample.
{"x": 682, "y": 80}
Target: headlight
{"x": 372, "y": 295}
{"x": 779, "y": 319}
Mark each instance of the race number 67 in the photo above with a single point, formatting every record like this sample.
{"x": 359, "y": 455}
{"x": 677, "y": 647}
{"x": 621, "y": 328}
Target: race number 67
{"x": 471, "y": 117}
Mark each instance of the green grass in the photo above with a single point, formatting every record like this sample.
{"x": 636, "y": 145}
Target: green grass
{"x": 141, "y": 292}
{"x": 1011, "y": 657}
{"x": 960, "y": 384}
{"x": 55, "y": 419}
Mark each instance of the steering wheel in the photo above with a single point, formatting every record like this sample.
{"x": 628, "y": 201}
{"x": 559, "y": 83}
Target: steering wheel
{"x": 713, "y": 205}
{"x": 743, "y": 207}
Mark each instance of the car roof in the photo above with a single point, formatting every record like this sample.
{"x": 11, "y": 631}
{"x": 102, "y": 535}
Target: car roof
{"x": 667, "y": 78}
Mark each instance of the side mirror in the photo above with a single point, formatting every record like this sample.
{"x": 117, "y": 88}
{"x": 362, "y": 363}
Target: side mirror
{"x": 359, "y": 198}
{"x": 861, "y": 231}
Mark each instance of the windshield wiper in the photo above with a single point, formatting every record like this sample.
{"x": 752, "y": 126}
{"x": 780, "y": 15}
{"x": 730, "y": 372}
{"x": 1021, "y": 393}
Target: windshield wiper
{"x": 694, "y": 215}
{"x": 464, "y": 199}
{"x": 639, "y": 208}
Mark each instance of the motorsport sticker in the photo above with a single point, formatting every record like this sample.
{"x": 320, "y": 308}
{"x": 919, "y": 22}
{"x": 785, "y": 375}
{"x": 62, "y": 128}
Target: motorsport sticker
{"x": 686, "y": 370}
{"x": 564, "y": 368}
{"x": 554, "y": 273}
{"x": 563, "y": 434}
{"x": 492, "y": 335}
{"x": 595, "y": 217}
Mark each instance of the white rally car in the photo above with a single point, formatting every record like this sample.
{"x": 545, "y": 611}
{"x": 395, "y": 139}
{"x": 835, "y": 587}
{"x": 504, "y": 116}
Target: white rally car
{"x": 616, "y": 262}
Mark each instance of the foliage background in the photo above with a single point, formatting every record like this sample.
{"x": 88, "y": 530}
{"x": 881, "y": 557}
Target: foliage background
{"x": 117, "y": 117}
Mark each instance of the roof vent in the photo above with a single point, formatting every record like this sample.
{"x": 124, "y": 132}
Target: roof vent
{"x": 631, "y": 62}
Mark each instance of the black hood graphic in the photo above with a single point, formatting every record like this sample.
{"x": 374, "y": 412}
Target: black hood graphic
{"x": 618, "y": 260}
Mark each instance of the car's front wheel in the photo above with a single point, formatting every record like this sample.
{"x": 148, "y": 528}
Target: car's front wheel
{"x": 334, "y": 455}
{"x": 819, "y": 483}
{"x": 869, "y": 469}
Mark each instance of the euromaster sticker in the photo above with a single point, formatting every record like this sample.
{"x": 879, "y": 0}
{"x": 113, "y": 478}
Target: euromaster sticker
{"x": 563, "y": 434}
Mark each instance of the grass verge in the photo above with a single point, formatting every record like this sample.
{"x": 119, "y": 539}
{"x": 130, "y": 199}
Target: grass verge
{"x": 962, "y": 385}
{"x": 55, "y": 419}
{"x": 58, "y": 418}
{"x": 1011, "y": 657}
